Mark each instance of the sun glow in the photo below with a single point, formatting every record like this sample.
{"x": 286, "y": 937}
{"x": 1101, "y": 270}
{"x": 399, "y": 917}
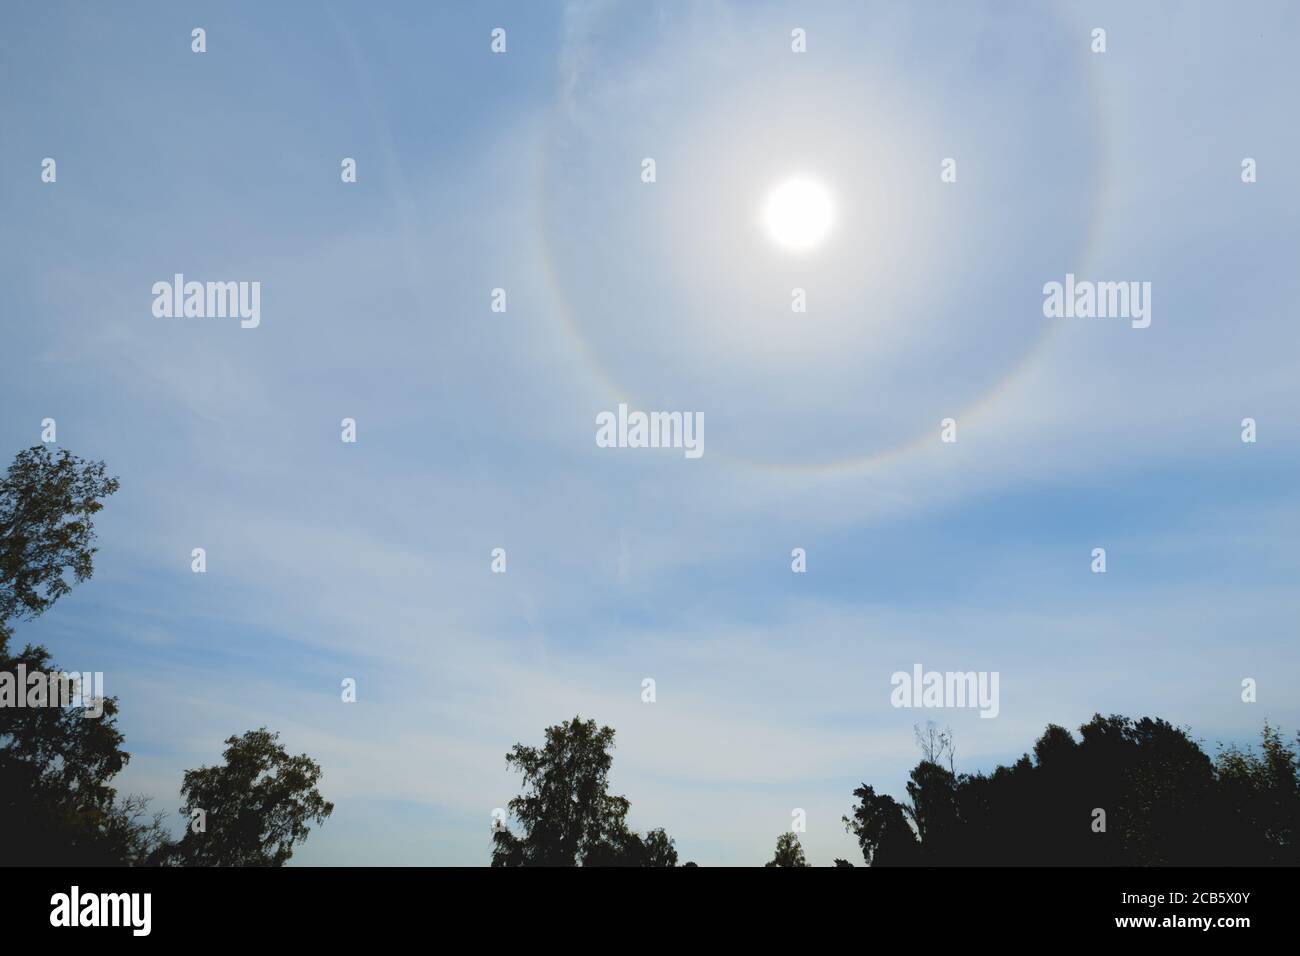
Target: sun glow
{"x": 798, "y": 214}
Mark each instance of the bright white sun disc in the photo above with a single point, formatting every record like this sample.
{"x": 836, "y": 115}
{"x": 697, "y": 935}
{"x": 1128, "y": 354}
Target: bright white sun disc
{"x": 798, "y": 214}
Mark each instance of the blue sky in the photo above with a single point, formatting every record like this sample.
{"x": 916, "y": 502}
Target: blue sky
{"x": 476, "y": 429}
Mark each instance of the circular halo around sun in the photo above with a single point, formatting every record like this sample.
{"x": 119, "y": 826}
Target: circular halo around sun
{"x": 798, "y": 214}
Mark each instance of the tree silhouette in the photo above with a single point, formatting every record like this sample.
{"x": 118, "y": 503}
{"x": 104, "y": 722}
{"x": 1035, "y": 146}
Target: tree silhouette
{"x": 46, "y": 507}
{"x": 882, "y": 831}
{"x": 566, "y": 813}
{"x": 657, "y": 849}
{"x": 256, "y": 807}
{"x": 788, "y": 852}
{"x": 57, "y": 802}
{"x": 1262, "y": 794}
{"x": 1123, "y": 792}
{"x": 57, "y": 805}
{"x": 1127, "y": 792}
{"x": 936, "y": 744}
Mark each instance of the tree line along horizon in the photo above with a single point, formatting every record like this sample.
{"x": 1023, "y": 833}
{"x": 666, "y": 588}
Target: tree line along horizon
{"x": 1125, "y": 792}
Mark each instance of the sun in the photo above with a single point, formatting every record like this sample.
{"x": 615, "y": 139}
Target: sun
{"x": 799, "y": 214}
